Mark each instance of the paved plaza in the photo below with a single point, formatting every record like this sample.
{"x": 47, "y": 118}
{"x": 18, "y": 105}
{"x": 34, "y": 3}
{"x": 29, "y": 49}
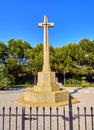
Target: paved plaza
{"x": 84, "y": 95}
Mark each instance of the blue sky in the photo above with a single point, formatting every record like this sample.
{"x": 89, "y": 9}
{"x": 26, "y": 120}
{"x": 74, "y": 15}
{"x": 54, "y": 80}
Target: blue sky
{"x": 73, "y": 20}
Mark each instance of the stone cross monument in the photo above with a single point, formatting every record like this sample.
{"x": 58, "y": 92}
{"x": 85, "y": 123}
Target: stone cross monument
{"x": 47, "y": 92}
{"x": 46, "y": 25}
{"x": 46, "y": 78}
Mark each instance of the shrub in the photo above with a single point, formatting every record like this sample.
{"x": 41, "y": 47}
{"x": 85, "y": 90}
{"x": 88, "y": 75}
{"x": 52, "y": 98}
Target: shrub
{"x": 84, "y": 83}
{"x": 5, "y": 79}
{"x": 73, "y": 81}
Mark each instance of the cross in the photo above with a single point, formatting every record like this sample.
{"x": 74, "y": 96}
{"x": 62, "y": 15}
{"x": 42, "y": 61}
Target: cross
{"x": 46, "y": 60}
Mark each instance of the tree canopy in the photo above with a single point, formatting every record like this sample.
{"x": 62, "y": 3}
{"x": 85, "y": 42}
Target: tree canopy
{"x": 23, "y": 61}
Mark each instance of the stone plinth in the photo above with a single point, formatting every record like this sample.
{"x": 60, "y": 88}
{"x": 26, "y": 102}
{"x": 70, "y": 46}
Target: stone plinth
{"x": 46, "y": 82}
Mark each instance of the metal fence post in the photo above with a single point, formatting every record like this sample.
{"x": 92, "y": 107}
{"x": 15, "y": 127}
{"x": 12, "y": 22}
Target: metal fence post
{"x": 70, "y": 113}
{"x": 23, "y": 118}
{"x": 92, "y": 120}
{"x": 3, "y": 116}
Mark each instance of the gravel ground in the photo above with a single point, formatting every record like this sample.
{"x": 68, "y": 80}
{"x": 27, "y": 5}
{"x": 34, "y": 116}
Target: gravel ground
{"x": 84, "y": 95}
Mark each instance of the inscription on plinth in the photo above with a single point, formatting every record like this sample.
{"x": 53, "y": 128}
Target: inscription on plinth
{"x": 46, "y": 82}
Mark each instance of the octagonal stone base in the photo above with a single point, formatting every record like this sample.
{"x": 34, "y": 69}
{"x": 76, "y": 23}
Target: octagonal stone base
{"x": 48, "y": 97}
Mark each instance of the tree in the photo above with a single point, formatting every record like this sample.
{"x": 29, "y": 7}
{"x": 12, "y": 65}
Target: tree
{"x": 65, "y": 59}
{"x": 12, "y": 66}
{"x": 88, "y": 47}
{"x": 5, "y": 79}
{"x": 35, "y": 62}
{"x": 17, "y": 49}
{"x": 17, "y": 60}
{"x": 86, "y": 44}
{"x": 3, "y": 53}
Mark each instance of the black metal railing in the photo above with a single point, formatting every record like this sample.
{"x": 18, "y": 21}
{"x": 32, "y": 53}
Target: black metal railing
{"x": 86, "y": 119}
{"x": 60, "y": 118}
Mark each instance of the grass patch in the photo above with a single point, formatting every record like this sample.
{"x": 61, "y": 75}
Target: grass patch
{"x": 78, "y": 85}
{"x": 72, "y": 85}
{"x": 24, "y": 85}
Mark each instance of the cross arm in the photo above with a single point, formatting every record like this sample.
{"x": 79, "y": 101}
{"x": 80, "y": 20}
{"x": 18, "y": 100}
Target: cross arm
{"x": 51, "y": 25}
{"x": 41, "y": 25}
